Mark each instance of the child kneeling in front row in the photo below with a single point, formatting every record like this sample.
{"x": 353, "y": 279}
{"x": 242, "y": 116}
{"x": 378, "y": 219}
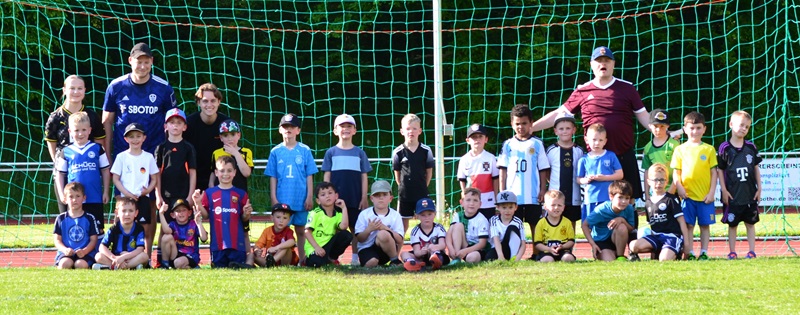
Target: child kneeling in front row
{"x": 427, "y": 240}
{"x": 506, "y": 230}
{"x": 75, "y": 250}
{"x": 468, "y": 236}
{"x": 122, "y": 246}
{"x": 180, "y": 239}
{"x": 554, "y": 236}
{"x": 379, "y": 229}
{"x": 326, "y": 230}
{"x": 276, "y": 245}
{"x": 608, "y": 226}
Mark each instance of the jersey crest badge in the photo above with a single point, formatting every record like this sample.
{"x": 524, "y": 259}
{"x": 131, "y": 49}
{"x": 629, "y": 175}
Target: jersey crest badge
{"x": 153, "y": 98}
{"x": 485, "y": 166}
{"x": 749, "y": 159}
{"x": 298, "y": 159}
{"x": 607, "y": 163}
{"x": 234, "y": 199}
{"x": 662, "y": 206}
{"x": 91, "y": 155}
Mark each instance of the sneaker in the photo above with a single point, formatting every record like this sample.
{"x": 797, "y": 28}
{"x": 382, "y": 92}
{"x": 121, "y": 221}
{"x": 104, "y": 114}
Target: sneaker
{"x": 703, "y": 256}
{"x": 455, "y": 261}
{"x": 634, "y": 257}
{"x": 98, "y": 266}
{"x": 750, "y": 255}
{"x": 270, "y": 261}
{"x": 622, "y": 258}
{"x": 139, "y": 267}
{"x": 336, "y": 262}
{"x": 435, "y": 261}
{"x": 691, "y": 257}
{"x": 395, "y": 262}
{"x": 413, "y": 265}
{"x": 355, "y": 263}
{"x": 238, "y": 265}
{"x": 732, "y": 256}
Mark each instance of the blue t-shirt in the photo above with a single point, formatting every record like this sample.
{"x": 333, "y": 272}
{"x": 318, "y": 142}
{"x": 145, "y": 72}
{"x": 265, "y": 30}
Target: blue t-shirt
{"x": 84, "y": 165}
{"x": 599, "y": 217}
{"x": 291, "y": 168}
{"x": 76, "y": 232}
{"x": 118, "y": 241}
{"x": 187, "y": 238}
{"x": 346, "y": 167}
{"x": 146, "y": 104}
{"x": 606, "y": 164}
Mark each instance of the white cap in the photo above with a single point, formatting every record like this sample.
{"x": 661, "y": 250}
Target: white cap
{"x": 344, "y": 118}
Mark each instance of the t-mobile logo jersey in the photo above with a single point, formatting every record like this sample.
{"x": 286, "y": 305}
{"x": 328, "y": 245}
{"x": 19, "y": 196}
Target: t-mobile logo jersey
{"x": 741, "y": 172}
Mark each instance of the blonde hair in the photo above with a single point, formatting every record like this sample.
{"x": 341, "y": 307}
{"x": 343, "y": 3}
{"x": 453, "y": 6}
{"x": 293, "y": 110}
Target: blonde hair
{"x": 67, "y": 79}
{"x": 597, "y": 128}
{"x": 554, "y": 194}
{"x": 78, "y": 118}
{"x": 742, "y": 114}
{"x": 471, "y": 191}
{"x": 658, "y": 168}
{"x": 409, "y": 118}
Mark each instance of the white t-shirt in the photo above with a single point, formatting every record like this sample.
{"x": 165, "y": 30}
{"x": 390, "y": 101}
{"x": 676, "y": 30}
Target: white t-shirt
{"x": 134, "y": 170}
{"x": 477, "y": 227}
{"x": 392, "y": 220}
{"x": 480, "y": 172}
{"x": 497, "y": 228}
{"x": 436, "y": 235}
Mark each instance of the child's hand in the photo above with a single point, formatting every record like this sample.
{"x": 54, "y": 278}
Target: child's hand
{"x": 374, "y": 225}
{"x": 540, "y": 198}
{"x": 260, "y": 252}
{"x": 197, "y": 197}
{"x": 248, "y": 208}
{"x": 320, "y": 252}
{"x": 233, "y": 150}
{"x": 272, "y": 250}
{"x": 554, "y": 249}
{"x": 682, "y": 192}
{"x": 614, "y": 222}
{"x": 69, "y": 252}
{"x": 198, "y": 217}
{"x": 596, "y": 249}
{"x": 163, "y": 208}
{"x": 341, "y": 204}
{"x": 105, "y": 198}
{"x": 81, "y": 252}
{"x": 724, "y": 196}
{"x": 308, "y": 204}
{"x": 709, "y": 198}
{"x": 364, "y": 204}
{"x": 757, "y": 197}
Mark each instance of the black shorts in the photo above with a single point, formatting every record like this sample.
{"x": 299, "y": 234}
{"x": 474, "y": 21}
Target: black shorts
{"x": 488, "y": 212}
{"x": 529, "y": 213}
{"x": 733, "y": 214}
{"x": 352, "y": 217}
{"x": 631, "y": 173}
{"x": 373, "y": 251}
{"x": 143, "y": 206}
{"x": 573, "y": 213}
{"x": 192, "y": 262}
{"x": 557, "y": 257}
{"x": 89, "y": 258}
{"x": 606, "y": 244}
{"x": 96, "y": 209}
{"x": 407, "y": 208}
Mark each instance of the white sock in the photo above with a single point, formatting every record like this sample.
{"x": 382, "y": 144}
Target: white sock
{"x": 691, "y": 252}
{"x": 355, "y": 257}
{"x": 702, "y": 251}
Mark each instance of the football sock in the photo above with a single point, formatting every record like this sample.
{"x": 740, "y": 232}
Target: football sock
{"x": 691, "y": 252}
{"x": 702, "y": 251}
{"x": 355, "y": 257}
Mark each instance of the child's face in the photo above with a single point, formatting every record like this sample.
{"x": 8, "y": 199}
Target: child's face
{"x": 209, "y": 104}
{"x": 507, "y": 210}
{"x": 74, "y": 90}
{"x": 522, "y": 126}
{"x": 135, "y": 139}
{"x": 619, "y": 202}
{"x": 175, "y": 126}
{"x": 411, "y": 131}
{"x": 658, "y": 180}
{"x": 182, "y": 214}
{"x": 381, "y": 200}
{"x": 740, "y": 126}
{"x": 554, "y": 207}
{"x": 426, "y": 218}
{"x": 659, "y": 130}
{"x": 281, "y": 220}
{"x": 564, "y": 130}
{"x": 477, "y": 142}
{"x": 327, "y": 197}
{"x": 126, "y": 213}
{"x": 75, "y": 199}
{"x": 230, "y": 138}
{"x": 225, "y": 172}
{"x": 471, "y": 203}
{"x": 80, "y": 132}
{"x": 289, "y": 131}
{"x": 596, "y": 140}
{"x": 694, "y": 131}
{"x": 345, "y": 130}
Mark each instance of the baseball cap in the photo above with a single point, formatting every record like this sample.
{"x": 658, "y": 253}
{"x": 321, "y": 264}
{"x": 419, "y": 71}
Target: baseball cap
{"x": 564, "y": 116}
{"x": 229, "y": 125}
{"x": 282, "y": 207}
{"x": 133, "y": 127}
{"x": 141, "y": 49}
{"x": 344, "y": 118}
{"x": 659, "y": 116}
{"x": 380, "y": 186}
{"x": 477, "y": 128}
{"x": 175, "y": 112}
{"x": 506, "y": 196}
{"x": 425, "y": 204}
{"x": 178, "y": 203}
{"x": 602, "y": 51}
{"x": 290, "y": 119}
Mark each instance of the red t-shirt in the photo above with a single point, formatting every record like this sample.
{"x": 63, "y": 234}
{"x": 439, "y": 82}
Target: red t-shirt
{"x": 613, "y": 106}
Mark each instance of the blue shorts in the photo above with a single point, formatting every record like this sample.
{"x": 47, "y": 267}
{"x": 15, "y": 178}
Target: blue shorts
{"x": 222, "y": 258}
{"x": 670, "y": 241}
{"x": 587, "y": 208}
{"x": 698, "y": 212}
{"x": 299, "y": 218}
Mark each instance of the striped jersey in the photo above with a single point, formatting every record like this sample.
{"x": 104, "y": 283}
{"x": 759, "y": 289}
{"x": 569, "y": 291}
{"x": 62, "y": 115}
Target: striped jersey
{"x": 564, "y": 171}
{"x": 291, "y": 168}
{"x": 83, "y": 164}
{"x": 479, "y": 171}
{"x": 498, "y": 229}
{"x": 523, "y": 159}
{"x": 187, "y": 238}
{"x": 225, "y": 217}
{"x": 118, "y": 241}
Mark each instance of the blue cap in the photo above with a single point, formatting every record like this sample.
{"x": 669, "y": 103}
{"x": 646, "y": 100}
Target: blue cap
{"x": 601, "y": 52}
{"x": 175, "y": 112}
{"x": 425, "y": 204}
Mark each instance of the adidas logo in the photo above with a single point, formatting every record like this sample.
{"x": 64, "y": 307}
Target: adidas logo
{"x": 125, "y": 98}
{"x": 591, "y": 97}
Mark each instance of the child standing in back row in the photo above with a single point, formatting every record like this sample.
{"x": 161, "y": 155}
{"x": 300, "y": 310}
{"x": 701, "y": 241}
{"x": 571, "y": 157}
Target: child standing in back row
{"x": 412, "y": 163}
{"x": 564, "y": 156}
{"x": 660, "y": 149}
{"x": 597, "y": 169}
{"x": 740, "y": 182}
{"x": 346, "y": 166}
{"x": 478, "y": 168}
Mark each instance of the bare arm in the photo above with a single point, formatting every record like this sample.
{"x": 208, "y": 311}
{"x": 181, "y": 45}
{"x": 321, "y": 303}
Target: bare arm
{"x": 51, "y": 148}
{"x": 428, "y": 176}
{"x": 546, "y": 121}
{"x": 364, "y": 187}
{"x": 309, "y": 192}
{"x": 192, "y": 184}
{"x": 644, "y": 119}
{"x": 503, "y": 175}
{"x": 724, "y": 195}
{"x": 273, "y": 188}
{"x": 397, "y": 177}
{"x": 153, "y": 182}
{"x": 326, "y": 177}
{"x": 108, "y": 125}
{"x": 758, "y": 183}
{"x": 712, "y": 188}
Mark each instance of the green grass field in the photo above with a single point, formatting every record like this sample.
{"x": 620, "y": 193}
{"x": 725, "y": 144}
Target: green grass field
{"x": 769, "y": 286}
{"x": 41, "y": 235}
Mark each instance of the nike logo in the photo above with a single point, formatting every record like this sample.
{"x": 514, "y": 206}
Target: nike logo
{"x": 217, "y": 200}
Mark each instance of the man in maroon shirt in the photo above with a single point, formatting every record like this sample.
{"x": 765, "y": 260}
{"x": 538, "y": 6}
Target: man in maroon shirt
{"x": 611, "y": 102}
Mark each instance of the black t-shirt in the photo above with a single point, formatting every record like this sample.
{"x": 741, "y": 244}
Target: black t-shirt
{"x": 57, "y": 127}
{"x": 205, "y": 139}
{"x": 413, "y": 167}
{"x": 174, "y": 161}
{"x": 739, "y": 166}
{"x": 663, "y": 215}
